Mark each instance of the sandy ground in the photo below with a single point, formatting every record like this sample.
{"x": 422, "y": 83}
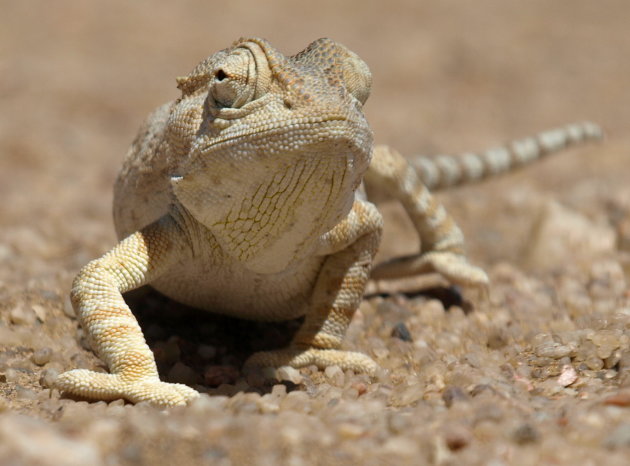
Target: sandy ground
{"x": 538, "y": 375}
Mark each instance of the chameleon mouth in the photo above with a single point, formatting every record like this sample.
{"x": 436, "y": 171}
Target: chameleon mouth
{"x": 295, "y": 134}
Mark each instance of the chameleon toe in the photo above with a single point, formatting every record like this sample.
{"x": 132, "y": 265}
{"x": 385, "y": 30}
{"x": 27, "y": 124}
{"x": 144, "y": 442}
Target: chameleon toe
{"x": 100, "y": 386}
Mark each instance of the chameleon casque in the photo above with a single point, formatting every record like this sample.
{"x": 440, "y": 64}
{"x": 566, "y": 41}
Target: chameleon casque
{"x": 246, "y": 196}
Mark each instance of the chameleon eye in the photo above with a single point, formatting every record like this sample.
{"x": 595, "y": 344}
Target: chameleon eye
{"x": 234, "y": 81}
{"x": 220, "y": 75}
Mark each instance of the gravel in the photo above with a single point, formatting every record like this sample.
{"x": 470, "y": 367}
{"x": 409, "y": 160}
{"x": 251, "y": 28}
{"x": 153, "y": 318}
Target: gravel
{"x": 42, "y": 356}
{"x": 537, "y": 372}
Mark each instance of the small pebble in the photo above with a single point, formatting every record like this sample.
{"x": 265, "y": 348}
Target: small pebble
{"x": 349, "y": 431}
{"x": 42, "y": 356}
{"x": 623, "y": 234}
{"x": 497, "y": 339}
{"x": 335, "y": 375}
{"x": 8, "y": 337}
{"x": 214, "y": 376}
{"x": 552, "y": 350}
{"x": 594, "y": 363}
{"x": 606, "y": 341}
{"x": 25, "y": 393}
{"x": 401, "y": 332}
{"x": 205, "y": 404}
{"x": 156, "y": 332}
{"x": 402, "y": 448}
{"x": 268, "y": 404}
{"x": 245, "y": 403}
{"x": 11, "y": 375}
{"x": 457, "y": 437}
{"x": 40, "y": 312}
{"x": 610, "y": 374}
{"x": 279, "y": 391}
{"x": 360, "y": 387}
{"x": 568, "y": 375}
{"x": 295, "y": 401}
{"x": 612, "y": 360}
{"x": 399, "y": 423}
{"x": 525, "y": 433}
{"x": 410, "y": 395}
{"x": 481, "y": 388}
{"x": 206, "y": 351}
{"x": 131, "y": 453}
{"x": 167, "y": 353}
{"x": 619, "y": 399}
{"x": 48, "y": 377}
{"x": 256, "y": 378}
{"x": 21, "y": 315}
{"x": 488, "y": 412}
{"x": 289, "y": 374}
{"x": 68, "y": 310}
{"x": 181, "y": 373}
{"x": 453, "y": 393}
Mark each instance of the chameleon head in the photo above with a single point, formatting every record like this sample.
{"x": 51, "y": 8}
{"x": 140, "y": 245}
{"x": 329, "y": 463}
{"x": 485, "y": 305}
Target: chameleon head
{"x": 273, "y": 147}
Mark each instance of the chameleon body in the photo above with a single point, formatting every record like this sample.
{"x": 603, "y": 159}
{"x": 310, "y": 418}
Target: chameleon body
{"x": 246, "y": 197}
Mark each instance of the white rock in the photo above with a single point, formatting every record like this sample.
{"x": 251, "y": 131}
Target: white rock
{"x": 567, "y": 376}
{"x": 562, "y": 235}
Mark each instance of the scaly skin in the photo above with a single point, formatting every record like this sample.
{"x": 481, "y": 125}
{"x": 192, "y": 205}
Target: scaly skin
{"x": 245, "y": 197}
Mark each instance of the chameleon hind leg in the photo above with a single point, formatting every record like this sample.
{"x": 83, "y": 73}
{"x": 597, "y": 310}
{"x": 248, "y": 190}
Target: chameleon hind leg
{"x": 442, "y": 241}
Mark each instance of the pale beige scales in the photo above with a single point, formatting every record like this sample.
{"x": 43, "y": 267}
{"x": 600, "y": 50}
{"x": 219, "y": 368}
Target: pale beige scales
{"x": 245, "y": 197}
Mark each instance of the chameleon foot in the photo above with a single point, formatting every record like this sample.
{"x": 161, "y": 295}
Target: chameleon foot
{"x": 322, "y": 358}
{"x": 453, "y": 267}
{"x": 96, "y": 385}
{"x": 456, "y": 269}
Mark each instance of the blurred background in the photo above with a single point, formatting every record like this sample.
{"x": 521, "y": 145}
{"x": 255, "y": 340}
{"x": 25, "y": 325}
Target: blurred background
{"x": 77, "y": 78}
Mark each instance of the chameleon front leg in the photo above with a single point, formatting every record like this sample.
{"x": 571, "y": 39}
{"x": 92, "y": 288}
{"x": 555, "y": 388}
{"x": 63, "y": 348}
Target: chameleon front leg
{"x": 442, "y": 241}
{"x": 350, "y": 248}
{"x": 112, "y": 329}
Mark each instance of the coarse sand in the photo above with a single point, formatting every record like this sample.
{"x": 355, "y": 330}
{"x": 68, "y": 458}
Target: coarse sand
{"x": 537, "y": 374}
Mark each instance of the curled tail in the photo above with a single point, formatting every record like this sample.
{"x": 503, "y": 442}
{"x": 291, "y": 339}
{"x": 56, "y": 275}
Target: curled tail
{"x": 445, "y": 171}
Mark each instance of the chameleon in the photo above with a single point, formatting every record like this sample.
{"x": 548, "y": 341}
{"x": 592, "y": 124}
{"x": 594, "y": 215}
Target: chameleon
{"x": 246, "y": 196}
